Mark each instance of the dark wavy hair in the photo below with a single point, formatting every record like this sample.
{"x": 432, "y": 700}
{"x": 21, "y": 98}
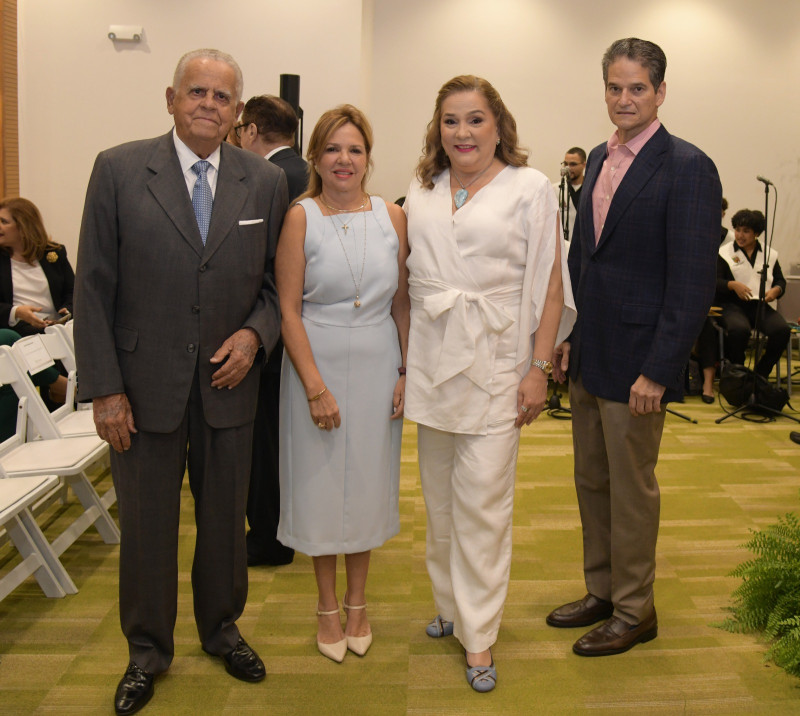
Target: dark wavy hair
{"x": 749, "y": 219}
{"x": 646, "y": 53}
{"x": 434, "y": 159}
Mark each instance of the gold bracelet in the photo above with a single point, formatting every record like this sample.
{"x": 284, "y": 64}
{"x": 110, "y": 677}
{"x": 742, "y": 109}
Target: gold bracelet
{"x": 318, "y": 395}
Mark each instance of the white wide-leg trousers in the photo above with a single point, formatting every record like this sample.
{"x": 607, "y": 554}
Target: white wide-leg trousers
{"x": 468, "y": 486}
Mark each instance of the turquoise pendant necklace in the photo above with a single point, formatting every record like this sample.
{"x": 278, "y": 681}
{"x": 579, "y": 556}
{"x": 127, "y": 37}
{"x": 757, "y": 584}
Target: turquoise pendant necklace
{"x": 462, "y": 194}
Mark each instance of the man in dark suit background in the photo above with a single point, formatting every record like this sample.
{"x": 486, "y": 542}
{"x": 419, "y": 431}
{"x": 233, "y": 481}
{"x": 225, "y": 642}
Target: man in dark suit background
{"x": 642, "y": 265}
{"x": 174, "y": 295}
{"x": 268, "y": 128}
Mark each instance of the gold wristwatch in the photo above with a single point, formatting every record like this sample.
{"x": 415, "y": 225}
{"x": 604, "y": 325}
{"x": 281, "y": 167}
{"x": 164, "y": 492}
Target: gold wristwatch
{"x": 544, "y": 365}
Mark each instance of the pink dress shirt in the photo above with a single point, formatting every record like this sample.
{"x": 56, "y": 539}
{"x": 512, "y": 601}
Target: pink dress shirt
{"x": 619, "y": 158}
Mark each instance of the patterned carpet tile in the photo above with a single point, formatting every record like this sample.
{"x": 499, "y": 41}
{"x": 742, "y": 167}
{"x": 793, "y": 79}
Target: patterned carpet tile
{"x": 718, "y": 482}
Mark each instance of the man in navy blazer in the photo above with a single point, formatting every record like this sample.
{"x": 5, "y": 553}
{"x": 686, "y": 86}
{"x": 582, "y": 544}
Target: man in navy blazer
{"x": 642, "y": 265}
{"x": 171, "y": 307}
{"x": 268, "y": 128}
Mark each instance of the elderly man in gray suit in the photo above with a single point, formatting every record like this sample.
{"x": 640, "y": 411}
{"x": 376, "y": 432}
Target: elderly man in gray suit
{"x": 174, "y": 298}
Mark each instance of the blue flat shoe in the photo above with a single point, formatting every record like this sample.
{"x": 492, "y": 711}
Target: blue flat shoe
{"x": 439, "y": 627}
{"x": 481, "y": 678}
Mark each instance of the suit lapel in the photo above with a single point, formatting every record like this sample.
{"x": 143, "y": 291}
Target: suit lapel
{"x": 168, "y": 186}
{"x": 587, "y": 210}
{"x": 644, "y": 165}
{"x": 229, "y": 199}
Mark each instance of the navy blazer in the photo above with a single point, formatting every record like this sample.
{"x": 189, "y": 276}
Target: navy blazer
{"x": 60, "y": 279}
{"x": 643, "y": 290}
{"x": 295, "y": 168}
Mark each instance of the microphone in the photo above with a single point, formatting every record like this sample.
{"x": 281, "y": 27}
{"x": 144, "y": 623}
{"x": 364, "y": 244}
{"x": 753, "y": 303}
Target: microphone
{"x": 565, "y": 170}
{"x": 766, "y": 181}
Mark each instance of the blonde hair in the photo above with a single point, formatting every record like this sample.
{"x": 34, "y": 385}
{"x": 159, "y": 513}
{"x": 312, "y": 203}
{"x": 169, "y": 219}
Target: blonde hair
{"x": 434, "y": 159}
{"x": 328, "y": 123}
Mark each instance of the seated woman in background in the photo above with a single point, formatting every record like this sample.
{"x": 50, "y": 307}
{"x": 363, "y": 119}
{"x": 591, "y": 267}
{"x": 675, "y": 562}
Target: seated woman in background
{"x": 738, "y": 280}
{"x": 36, "y": 279}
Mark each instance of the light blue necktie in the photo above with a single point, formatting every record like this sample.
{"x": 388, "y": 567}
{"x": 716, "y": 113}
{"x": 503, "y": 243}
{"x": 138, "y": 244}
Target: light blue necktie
{"x": 202, "y": 199}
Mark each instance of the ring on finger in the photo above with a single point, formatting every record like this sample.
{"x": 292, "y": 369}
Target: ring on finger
{"x": 524, "y": 409}
{"x": 321, "y": 425}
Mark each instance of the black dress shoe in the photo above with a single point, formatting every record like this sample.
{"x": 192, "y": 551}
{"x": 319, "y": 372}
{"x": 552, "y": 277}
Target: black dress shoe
{"x": 243, "y": 663}
{"x": 794, "y": 437}
{"x": 708, "y": 399}
{"x": 266, "y": 550}
{"x": 134, "y": 690}
{"x": 270, "y": 560}
{"x": 616, "y": 636}
{"x": 585, "y": 612}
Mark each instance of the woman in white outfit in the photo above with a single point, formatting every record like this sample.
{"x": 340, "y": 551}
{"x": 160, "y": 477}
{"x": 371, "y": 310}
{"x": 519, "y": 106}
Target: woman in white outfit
{"x": 490, "y": 298}
{"x": 342, "y": 284}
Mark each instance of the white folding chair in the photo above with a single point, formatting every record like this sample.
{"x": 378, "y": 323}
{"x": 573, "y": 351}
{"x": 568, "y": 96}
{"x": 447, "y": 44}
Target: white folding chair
{"x": 62, "y": 336}
{"x": 33, "y": 354}
{"x": 38, "y": 556}
{"x": 66, "y": 457}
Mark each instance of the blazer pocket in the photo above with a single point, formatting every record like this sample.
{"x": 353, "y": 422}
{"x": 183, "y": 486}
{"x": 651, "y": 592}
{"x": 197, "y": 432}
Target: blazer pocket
{"x": 640, "y": 315}
{"x": 126, "y": 338}
{"x": 250, "y": 222}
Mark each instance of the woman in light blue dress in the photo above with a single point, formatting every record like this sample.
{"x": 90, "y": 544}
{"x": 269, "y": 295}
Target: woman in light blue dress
{"x": 343, "y": 290}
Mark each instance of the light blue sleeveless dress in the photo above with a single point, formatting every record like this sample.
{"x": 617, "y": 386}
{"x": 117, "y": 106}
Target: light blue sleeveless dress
{"x": 340, "y": 488}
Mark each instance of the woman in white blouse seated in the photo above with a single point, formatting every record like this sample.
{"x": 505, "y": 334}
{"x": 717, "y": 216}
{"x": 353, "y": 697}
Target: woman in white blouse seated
{"x": 36, "y": 279}
{"x": 490, "y": 298}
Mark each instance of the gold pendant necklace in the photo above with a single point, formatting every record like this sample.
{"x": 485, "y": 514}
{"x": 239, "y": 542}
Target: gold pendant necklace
{"x": 344, "y": 225}
{"x": 357, "y": 284}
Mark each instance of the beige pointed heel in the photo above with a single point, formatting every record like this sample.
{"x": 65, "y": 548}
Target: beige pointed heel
{"x": 358, "y": 644}
{"x": 336, "y": 651}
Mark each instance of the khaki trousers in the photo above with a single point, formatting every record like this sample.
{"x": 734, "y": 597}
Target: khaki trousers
{"x": 615, "y": 459}
{"x": 468, "y": 486}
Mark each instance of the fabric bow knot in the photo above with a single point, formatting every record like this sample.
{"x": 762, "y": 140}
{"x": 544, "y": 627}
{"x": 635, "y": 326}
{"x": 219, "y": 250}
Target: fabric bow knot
{"x": 465, "y": 348}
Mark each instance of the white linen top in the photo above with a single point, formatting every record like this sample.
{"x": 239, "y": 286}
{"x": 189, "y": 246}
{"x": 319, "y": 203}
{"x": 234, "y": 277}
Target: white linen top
{"x": 478, "y": 283}
{"x": 30, "y": 289}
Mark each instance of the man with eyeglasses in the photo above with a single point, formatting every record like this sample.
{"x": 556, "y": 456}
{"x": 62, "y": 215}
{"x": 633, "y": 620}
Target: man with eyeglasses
{"x": 572, "y": 170}
{"x": 268, "y": 129}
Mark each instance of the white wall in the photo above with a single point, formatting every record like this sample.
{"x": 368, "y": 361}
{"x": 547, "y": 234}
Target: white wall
{"x": 731, "y": 78}
{"x": 81, "y": 93}
{"x": 732, "y": 68}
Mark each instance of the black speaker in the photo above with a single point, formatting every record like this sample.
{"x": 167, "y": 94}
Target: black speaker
{"x": 290, "y": 90}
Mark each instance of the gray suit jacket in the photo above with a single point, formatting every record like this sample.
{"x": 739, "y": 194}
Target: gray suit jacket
{"x": 152, "y": 303}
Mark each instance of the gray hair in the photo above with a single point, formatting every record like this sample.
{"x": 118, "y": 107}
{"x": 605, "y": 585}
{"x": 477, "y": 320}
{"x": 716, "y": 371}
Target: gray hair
{"x": 647, "y": 54}
{"x": 208, "y": 54}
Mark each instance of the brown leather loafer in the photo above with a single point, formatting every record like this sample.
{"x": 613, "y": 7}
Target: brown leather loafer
{"x": 585, "y": 612}
{"x": 616, "y": 636}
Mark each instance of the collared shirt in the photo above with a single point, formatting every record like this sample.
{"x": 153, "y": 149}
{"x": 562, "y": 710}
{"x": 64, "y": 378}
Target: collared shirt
{"x": 276, "y": 150}
{"x": 725, "y": 274}
{"x": 619, "y": 158}
{"x": 188, "y": 159}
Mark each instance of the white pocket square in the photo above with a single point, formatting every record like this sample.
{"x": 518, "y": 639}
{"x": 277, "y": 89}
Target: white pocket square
{"x": 247, "y": 222}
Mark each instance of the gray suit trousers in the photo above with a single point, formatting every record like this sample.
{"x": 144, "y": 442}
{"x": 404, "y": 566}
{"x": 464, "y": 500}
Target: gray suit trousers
{"x": 148, "y": 479}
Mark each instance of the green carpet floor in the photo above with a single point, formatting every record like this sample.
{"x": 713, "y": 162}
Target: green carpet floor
{"x": 718, "y": 482}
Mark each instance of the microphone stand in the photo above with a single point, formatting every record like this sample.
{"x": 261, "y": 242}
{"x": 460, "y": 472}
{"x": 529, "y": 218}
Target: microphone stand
{"x": 752, "y": 403}
{"x": 553, "y": 407}
{"x": 564, "y": 202}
